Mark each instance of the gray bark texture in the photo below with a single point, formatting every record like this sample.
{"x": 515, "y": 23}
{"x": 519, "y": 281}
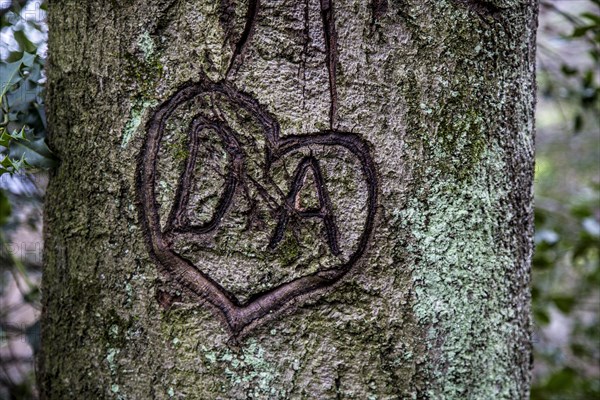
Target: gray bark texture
{"x": 318, "y": 199}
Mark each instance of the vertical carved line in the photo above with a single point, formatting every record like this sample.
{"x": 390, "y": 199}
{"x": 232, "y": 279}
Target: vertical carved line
{"x": 240, "y": 47}
{"x": 331, "y": 56}
{"x": 304, "y": 55}
{"x": 182, "y": 194}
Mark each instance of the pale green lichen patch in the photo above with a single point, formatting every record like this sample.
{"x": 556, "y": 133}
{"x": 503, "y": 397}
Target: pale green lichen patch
{"x": 456, "y": 220}
{"x": 110, "y": 359}
{"x": 246, "y": 368}
{"x": 146, "y": 44}
{"x": 136, "y": 114}
{"x": 459, "y": 284}
{"x": 143, "y": 72}
{"x": 249, "y": 366}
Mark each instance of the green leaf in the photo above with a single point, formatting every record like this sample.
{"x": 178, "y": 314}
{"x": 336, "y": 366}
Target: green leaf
{"x": 541, "y": 316}
{"x": 5, "y": 209}
{"x": 567, "y": 70}
{"x": 34, "y": 152}
{"x": 7, "y": 163}
{"x": 592, "y": 17}
{"x": 28, "y": 59}
{"x": 588, "y": 78}
{"x": 10, "y": 75}
{"x": 582, "y": 210}
{"x": 541, "y": 260}
{"x": 581, "y": 30}
{"x": 579, "y": 350}
{"x": 564, "y": 303}
{"x": 535, "y": 293}
{"x": 5, "y": 138}
{"x": 562, "y": 380}
{"x": 584, "y": 245}
{"x": 14, "y": 56}
{"x": 24, "y": 42}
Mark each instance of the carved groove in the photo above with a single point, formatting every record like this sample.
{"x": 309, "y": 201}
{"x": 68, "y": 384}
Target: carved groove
{"x": 240, "y": 46}
{"x": 177, "y": 221}
{"x": 240, "y": 318}
{"x": 325, "y": 210}
{"x": 331, "y": 56}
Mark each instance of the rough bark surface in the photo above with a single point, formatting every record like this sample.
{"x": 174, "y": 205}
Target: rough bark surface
{"x": 376, "y": 154}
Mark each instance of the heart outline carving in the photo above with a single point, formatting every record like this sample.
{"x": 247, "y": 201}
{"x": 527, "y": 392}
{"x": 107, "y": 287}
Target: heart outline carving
{"x": 239, "y": 318}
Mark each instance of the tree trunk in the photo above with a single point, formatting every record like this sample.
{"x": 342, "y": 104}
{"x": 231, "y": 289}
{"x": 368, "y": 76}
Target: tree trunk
{"x": 318, "y": 199}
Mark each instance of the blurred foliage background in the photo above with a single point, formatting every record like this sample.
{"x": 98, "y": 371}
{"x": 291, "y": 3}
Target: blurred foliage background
{"x": 23, "y": 159}
{"x": 566, "y": 266}
{"x": 566, "y": 271}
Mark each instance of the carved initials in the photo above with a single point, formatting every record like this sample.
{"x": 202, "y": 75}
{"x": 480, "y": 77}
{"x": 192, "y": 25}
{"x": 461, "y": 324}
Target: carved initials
{"x": 240, "y": 317}
{"x": 291, "y": 205}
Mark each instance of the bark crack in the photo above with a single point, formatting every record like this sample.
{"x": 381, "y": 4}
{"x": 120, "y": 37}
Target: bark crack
{"x": 240, "y": 47}
{"x": 304, "y": 55}
{"x": 331, "y": 56}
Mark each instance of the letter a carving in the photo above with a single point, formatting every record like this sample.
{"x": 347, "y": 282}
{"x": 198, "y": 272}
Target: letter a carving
{"x": 292, "y": 207}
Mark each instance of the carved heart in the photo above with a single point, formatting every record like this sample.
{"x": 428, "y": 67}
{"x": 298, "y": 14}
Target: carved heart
{"x": 241, "y": 316}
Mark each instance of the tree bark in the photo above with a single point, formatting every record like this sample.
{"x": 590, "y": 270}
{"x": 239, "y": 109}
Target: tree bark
{"x": 315, "y": 199}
